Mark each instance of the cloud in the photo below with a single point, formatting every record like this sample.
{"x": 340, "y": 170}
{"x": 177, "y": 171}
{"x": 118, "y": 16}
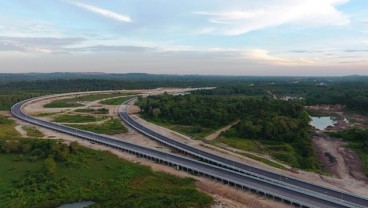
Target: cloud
{"x": 103, "y": 12}
{"x": 52, "y": 45}
{"x": 108, "y": 48}
{"x": 264, "y": 56}
{"x": 306, "y": 51}
{"x": 311, "y": 13}
{"x": 355, "y": 51}
{"x": 37, "y": 44}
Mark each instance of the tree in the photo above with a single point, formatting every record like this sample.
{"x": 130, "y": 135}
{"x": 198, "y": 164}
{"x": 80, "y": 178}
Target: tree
{"x": 49, "y": 166}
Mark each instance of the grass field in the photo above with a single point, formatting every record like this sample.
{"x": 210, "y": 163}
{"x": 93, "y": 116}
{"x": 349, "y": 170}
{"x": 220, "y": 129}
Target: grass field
{"x": 94, "y": 97}
{"x": 47, "y": 173}
{"x": 64, "y": 103}
{"x": 282, "y": 152}
{"x": 111, "y": 127}
{"x": 66, "y": 118}
{"x": 7, "y": 129}
{"x": 91, "y": 175}
{"x": 93, "y": 111}
{"x": 116, "y": 101}
{"x": 75, "y": 101}
{"x": 247, "y": 145}
{"x": 43, "y": 114}
{"x": 33, "y": 132}
{"x": 192, "y": 131}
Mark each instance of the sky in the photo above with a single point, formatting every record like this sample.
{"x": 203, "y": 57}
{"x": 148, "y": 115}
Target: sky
{"x": 220, "y": 37}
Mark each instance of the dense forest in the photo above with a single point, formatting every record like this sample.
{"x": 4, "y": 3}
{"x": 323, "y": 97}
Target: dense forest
{"x": 262, "y": 119}
{"x": 350, "y": 91}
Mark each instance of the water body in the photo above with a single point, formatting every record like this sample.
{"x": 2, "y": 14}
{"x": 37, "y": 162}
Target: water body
{"x": 82, "y": 204}
{"x": 321, "y": 123}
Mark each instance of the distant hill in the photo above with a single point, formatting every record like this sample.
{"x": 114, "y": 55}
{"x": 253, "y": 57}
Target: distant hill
{"x": 11, "y": 77}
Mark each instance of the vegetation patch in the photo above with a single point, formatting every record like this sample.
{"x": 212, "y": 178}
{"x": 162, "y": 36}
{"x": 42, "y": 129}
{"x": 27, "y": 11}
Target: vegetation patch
{"x": 7, "y": 129}
{"x": 78, "y": 100}
{"x": 263, "y": 160}
{"x": 116, "y": 101}
{"x": 44, "y": 114}
{"x": 33, "y": 132}
{"x": 69, "y": 118}
{"x": 250, "y": 145}
{"x": 284, "y": 155}
{"x": 111, "y": 127}
{"x": 45, "y": 173}
{"x": 94, "y": 111}
{"x": 195, "y": 132}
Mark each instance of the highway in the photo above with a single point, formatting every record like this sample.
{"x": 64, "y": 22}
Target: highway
{"x": 240, "y": 167}
{"x": 240, "y": 180}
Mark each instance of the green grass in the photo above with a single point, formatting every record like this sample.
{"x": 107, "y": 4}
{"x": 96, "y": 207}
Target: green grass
{"x": 75, "y": 101}
{"x": 192, "y": 131}
{"x": 92, "y": 175}
{"x": 249, "y": 145}
{"x": 263, "y": 160}
{"x": 282, "y": 152}
{"x": 115, "y": 101}
{"x": 7, "y": 129}
{"x": 67, "y": 118}
{"x": 111, "y": 127}
{"x": 95, "y": 97}
{"x": 32, "y": 132}
{"x": 44, "y": 114}
{"x": 94, "y": 111}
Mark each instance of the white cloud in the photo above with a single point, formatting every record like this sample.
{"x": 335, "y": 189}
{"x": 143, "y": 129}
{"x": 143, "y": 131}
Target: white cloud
{"x": 103, "y": 12}
{"x": 311, "y": 13}
{"x": 264, "y": 56}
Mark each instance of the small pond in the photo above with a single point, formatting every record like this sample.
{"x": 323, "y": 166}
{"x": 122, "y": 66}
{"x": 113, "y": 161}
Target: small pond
{"x": 78, "y": 204}
{"x": 321, "y": 123}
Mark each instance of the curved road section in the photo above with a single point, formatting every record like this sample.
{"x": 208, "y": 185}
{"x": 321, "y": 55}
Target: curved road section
{"x": 274, "y": 177}
{"x": 243, "y": 181}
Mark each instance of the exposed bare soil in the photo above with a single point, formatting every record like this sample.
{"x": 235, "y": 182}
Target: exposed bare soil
{"x": 21, "y": 131}
{"x": 337, "y": 158}
{"x": 218, "y": 132}
{"x": 341, "y": 161}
